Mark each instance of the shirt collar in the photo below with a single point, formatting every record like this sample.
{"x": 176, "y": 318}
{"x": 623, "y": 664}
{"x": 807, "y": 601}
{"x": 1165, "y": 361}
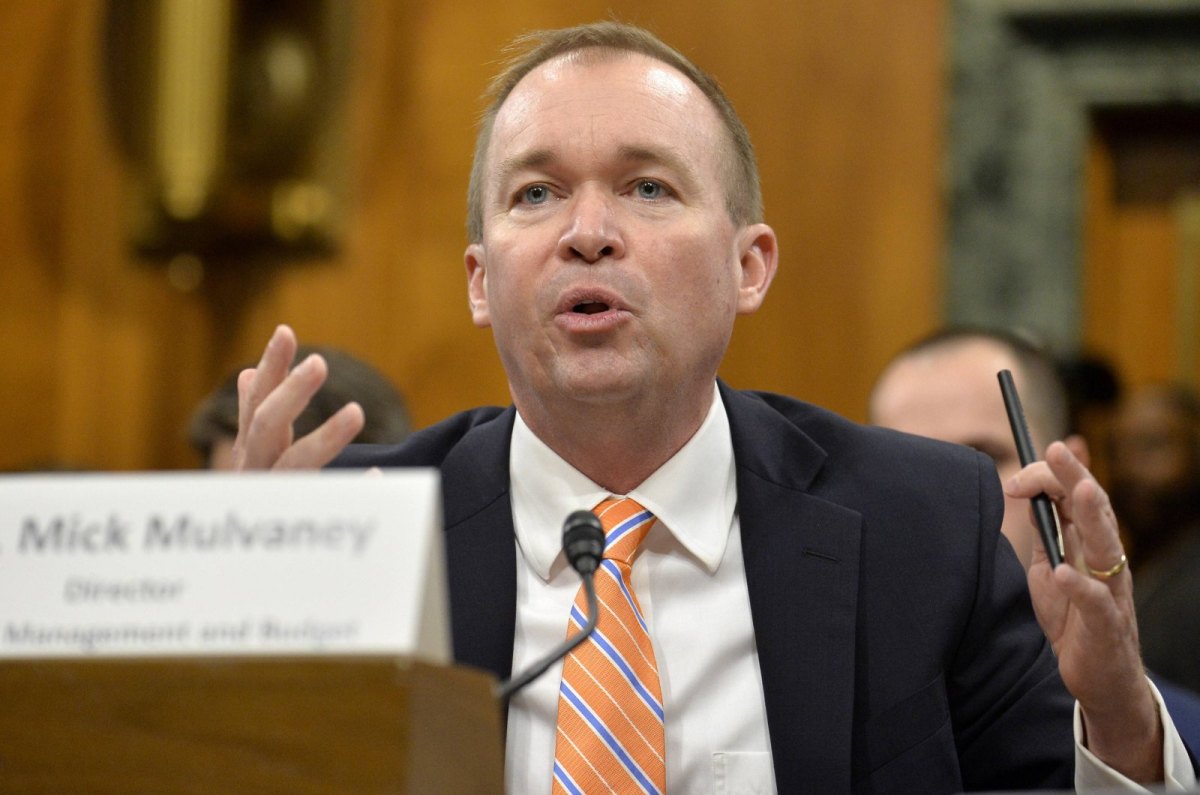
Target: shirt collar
{"x": 694, "y": 494}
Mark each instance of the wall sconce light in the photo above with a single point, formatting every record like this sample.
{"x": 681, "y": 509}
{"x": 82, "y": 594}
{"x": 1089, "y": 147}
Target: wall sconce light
{"x": 229, "y": 112}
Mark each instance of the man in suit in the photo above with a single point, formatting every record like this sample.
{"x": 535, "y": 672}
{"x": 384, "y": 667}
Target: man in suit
{"x": 829, "y": 605}
{"x": 944, "y": 386}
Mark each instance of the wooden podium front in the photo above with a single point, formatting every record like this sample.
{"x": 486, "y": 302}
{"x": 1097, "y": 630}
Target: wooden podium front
{"x": 247, "y": 725}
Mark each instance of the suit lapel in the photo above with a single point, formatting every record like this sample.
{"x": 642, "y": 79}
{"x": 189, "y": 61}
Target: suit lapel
{"x": 481, "y": 561}
{"x": 801, "y": 557}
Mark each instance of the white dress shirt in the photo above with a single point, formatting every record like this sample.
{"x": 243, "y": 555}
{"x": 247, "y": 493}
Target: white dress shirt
{"x": 689, "y": 572}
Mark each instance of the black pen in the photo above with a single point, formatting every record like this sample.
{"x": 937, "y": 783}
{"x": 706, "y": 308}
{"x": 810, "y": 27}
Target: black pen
{"x": 1043, "y": 509}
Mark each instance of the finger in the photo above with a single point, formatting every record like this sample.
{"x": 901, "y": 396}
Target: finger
{"x": 1066, "y": 468}
{"x": 1091, "y": 540}
{"x": 322, "y": 445}
{"x": 1091, "y": 511}
{"x": 1072, "y": 544}
{"x": 244, "y": 380}
{"x": 1055, "y": 477}
{"x": 1090, "y": 596}
{"x": 269, "y": 433}
{"x": 271, "y": 369}
{"x": 1100, "y": 540}
{"x": 1035, "y": 479}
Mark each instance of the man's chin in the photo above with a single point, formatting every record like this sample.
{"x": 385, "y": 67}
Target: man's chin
{"x": 599, "y": 391}
{"x": 598, "y": 374}
{"x": 601, "y": 385}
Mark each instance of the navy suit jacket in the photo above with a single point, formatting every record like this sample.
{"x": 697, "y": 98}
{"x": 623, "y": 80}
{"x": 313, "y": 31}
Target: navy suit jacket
{"x": 896, "y": 639}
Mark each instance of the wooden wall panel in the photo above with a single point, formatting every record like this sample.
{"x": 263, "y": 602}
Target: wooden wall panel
{"x": 27, "y": 282}
{"x": 1133, "y": 274}
{"x": 102, "y": 359}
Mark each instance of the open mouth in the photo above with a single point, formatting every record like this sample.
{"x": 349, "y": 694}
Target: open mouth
{"x": 590, "y": 307}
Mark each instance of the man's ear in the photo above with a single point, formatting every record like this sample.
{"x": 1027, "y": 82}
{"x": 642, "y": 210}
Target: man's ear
{"x": 759, "y": 257}
{"x": 477, "y": 285}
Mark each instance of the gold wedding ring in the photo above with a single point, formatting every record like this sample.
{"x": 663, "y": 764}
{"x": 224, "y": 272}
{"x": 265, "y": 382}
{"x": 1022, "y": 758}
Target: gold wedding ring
{"x": 1107, "y": 574}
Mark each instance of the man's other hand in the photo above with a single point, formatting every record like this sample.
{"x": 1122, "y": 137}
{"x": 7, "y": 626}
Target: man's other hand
{"x": 1085, "y": 607}
{"x": 270, "y": 398}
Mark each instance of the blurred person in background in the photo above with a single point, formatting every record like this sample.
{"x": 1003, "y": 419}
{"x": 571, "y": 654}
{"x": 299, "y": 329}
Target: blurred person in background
{"x": 1155, "y": 469}
{"x": 944, "y": 387}
{"x": 1093, "y": 392}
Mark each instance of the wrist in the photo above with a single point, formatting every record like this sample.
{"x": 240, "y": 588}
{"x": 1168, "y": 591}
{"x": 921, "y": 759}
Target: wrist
{"x": 1126, "y": 734}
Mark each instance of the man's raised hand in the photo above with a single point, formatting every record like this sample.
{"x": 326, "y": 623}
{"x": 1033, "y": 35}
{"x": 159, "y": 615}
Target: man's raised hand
{"x": 1085, "y": 607}
{"x": 270, "y": 398}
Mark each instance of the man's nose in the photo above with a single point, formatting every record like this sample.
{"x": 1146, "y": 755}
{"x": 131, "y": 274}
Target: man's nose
{"x": 592, "y": 231}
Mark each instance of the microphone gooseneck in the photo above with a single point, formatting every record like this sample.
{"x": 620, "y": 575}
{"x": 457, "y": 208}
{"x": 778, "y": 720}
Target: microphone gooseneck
{"x": 583, "y": 544}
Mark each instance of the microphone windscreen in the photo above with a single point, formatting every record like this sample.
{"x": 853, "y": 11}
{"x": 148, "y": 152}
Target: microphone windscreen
{"x": 583, "y": 541}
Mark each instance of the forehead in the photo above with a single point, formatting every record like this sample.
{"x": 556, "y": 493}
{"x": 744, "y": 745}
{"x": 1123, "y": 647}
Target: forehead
{"x": 596, "y": 97}
{"x": 950, "y": 393}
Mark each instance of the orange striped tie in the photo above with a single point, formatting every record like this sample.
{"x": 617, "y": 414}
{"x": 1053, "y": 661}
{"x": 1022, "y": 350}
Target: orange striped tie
{"x": 610, "y": 711}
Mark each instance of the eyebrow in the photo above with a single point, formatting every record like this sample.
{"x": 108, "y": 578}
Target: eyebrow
{"x": 658, "y": 155}
{"x": 529, "y": 160}
{"x": 539, "y": 158}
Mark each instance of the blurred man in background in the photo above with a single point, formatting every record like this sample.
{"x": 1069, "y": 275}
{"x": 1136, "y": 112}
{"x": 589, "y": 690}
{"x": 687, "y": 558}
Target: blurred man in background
{"x": 1094, "y": 390}
{"x": 1154, "y": 464}
{"x": 945, "y": 387}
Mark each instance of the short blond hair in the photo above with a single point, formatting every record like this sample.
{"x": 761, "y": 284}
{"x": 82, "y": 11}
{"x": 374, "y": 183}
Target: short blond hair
{"x": 743, "y": 196}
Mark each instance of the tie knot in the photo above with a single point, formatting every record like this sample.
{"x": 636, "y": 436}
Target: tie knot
{"x": 625, "y": 524}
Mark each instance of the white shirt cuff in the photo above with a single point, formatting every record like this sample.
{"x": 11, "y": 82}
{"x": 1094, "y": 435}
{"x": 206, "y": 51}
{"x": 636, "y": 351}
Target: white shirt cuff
{"x": 1092, "y": 775}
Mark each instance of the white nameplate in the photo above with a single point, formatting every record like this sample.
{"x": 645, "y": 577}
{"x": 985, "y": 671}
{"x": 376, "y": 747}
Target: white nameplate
{"x": 204, "y": 563}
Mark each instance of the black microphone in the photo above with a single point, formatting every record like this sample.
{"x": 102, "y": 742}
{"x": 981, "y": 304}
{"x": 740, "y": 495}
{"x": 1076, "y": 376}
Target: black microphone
{"x": 583, "y": 541}
{"x": 583, "y": 544}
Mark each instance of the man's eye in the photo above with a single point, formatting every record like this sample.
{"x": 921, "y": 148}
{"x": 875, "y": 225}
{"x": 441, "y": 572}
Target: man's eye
{"x": 649, "y": 189}
{"x": 535, "y": 194}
